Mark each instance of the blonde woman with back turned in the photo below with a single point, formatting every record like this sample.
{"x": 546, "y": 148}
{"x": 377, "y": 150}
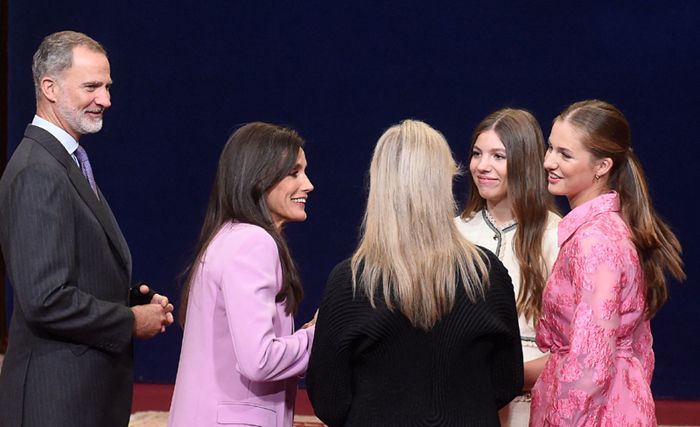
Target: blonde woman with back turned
{"x": 419, "y": 327}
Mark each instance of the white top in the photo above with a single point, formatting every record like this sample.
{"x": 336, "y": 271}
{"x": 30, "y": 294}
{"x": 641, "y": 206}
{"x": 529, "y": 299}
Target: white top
{"x": 480, "y": 230}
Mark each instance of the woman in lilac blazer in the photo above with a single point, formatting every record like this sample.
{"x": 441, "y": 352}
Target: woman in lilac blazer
{"x": 241, "y": 357}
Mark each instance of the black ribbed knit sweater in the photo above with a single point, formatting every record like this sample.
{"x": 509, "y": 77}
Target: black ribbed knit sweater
{"x": 370, "y": 367}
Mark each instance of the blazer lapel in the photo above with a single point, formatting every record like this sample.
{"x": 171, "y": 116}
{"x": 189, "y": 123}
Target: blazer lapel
{"x": 120, "y": 240}
{"x": 98, "y": 208}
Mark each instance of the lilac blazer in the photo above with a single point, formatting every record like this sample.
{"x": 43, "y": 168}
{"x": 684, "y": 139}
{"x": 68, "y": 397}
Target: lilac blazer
{"x": 240, "y": 358}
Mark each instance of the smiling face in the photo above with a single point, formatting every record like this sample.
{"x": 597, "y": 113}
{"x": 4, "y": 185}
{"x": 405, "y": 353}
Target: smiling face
{"x": 286, "y": 200}
{"x": 489, "y": 168}
{"x": 571, "y": 168}
{"x": 80, "y": 94}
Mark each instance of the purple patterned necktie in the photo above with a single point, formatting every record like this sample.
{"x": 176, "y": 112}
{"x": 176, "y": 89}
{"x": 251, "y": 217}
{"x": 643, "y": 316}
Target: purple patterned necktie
{"x": 86, "y": 168}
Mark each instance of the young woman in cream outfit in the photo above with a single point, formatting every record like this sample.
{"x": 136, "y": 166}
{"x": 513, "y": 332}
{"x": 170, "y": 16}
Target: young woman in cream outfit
{"x": 510, "y": 212}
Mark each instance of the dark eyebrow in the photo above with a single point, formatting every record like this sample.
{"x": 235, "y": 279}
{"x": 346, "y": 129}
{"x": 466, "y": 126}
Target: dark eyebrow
{"x": 95, "y": 83}
{"x": 564, "y": 150}
{"x": 549, "y": 141}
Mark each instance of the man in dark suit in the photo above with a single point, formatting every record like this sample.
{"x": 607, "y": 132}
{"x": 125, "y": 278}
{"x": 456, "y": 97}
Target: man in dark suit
{"x": 69, "y": 360}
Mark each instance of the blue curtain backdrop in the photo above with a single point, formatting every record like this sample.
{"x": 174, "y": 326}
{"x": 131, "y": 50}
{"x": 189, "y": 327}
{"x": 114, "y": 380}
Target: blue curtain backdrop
{"x": 186, "y": 73}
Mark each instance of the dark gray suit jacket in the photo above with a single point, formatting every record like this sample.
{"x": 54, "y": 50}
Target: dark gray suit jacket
{"x": 69, "y": 360}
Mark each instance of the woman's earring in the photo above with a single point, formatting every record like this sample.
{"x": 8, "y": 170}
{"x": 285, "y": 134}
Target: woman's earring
{"x": 596, "y": 178}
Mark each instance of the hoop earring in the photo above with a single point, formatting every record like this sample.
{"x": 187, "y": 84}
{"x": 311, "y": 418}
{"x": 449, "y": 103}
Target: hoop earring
{"x": 596, "y": 178}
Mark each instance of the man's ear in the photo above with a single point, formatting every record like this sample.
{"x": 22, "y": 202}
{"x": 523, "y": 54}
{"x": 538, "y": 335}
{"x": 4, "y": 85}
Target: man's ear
{"x": 603, "y": 166}
{"x": 49, "y": 86}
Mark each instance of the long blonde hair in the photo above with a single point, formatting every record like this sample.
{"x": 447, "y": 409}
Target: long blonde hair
{"x": 606, "y": 133}
{"x": 410, "y": 249}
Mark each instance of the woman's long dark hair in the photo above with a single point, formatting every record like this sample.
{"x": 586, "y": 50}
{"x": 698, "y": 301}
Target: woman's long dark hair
{"x": 256, "y": 157}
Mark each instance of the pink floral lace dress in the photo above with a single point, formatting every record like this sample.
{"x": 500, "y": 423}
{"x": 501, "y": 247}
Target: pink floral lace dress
{"x": 593, "y": 324}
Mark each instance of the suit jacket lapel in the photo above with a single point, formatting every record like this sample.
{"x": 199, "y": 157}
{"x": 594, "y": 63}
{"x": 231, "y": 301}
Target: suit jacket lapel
{"x": 120, "y": 240}
{"x": 98, "y": 208}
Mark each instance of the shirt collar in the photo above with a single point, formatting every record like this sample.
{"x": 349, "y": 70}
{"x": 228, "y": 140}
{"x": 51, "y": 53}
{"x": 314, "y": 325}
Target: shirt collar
{"x": 608, "y": 202}
{"x": 68, "y": 142}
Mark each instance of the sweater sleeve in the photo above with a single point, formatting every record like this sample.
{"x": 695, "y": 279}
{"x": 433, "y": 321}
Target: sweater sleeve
{"x": 329, "y": 378}
{"x": 507, "y": 363}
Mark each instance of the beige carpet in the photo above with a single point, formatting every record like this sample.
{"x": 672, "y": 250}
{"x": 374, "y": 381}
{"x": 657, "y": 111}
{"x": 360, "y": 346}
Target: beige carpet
{"x": 148, "y": 419}
{"x": 160, "y": 419}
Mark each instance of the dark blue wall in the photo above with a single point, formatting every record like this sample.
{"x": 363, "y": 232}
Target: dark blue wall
{"x": 187, "y": 73}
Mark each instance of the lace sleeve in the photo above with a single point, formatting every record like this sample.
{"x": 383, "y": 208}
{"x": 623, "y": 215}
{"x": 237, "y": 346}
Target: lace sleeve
{"x": 597, "y": 269}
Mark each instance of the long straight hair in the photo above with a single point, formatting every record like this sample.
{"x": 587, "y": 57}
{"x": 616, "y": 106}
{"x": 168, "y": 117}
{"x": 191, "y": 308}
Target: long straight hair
{"x": 606, "y": 133}
{"x": 522, "y": 138}
{"x": 256, "y": 157}
{"x": 410, "y": 250}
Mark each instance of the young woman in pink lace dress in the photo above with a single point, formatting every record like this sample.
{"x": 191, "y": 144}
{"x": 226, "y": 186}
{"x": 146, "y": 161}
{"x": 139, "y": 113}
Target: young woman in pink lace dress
{"x": 608, "y": 280}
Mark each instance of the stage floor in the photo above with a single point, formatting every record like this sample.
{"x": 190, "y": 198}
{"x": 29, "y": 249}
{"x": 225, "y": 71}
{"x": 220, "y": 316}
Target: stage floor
{"x": 152, "y": 401}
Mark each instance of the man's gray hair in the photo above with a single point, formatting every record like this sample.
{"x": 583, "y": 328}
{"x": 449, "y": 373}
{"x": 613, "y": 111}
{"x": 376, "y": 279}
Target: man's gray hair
{"x": 55, "y": 54}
